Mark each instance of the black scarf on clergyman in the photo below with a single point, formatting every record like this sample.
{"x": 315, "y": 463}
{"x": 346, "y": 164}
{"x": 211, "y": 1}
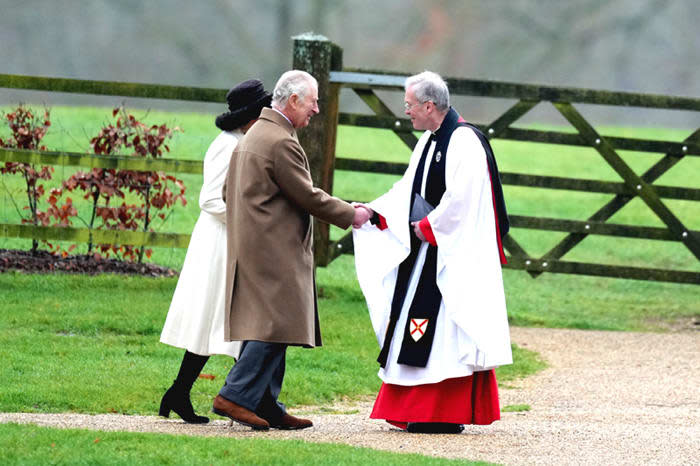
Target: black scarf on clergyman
{"x": 496, "y": 188}
{"x": 422, "y": 315}
{"x": 418, "y": 337}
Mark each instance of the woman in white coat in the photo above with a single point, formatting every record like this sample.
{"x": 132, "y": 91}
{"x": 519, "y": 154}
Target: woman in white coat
{"x": 195, "y": 320}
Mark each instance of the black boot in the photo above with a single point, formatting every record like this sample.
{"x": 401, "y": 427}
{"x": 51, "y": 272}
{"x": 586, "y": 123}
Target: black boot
{"x": 177, "y": 398}
{"x": 434, "y": 428}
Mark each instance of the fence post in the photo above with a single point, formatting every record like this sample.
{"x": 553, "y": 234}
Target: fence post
{"x": 317, "y": 55}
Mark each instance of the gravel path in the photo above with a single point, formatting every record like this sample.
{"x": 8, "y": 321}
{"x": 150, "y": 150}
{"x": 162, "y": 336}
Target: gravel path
{"x": 607, "y": 398}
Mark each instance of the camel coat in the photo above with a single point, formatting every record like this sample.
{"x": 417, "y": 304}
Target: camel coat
{"x": 270, "y": 283}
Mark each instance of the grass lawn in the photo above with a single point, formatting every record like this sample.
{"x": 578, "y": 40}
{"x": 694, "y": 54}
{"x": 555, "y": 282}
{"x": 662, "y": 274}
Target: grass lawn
{"x": 91, "y": 344}
{"x": 75, "y": 315}
{"x": 24, "y": 444}
{"x": 87, "y": 340}
{"x": 73, "y": 344}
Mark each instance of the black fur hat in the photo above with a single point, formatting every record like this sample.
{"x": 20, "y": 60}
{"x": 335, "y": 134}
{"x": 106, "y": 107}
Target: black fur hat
{"x": 245, "y": 101}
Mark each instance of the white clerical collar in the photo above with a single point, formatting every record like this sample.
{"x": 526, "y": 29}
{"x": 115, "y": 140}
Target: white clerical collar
{"x": 285, "y": 116}
{"x": 434, "y": 133}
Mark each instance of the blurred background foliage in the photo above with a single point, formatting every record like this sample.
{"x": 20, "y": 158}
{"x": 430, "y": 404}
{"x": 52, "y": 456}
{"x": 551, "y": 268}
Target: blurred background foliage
{"x": 633, "y": 45}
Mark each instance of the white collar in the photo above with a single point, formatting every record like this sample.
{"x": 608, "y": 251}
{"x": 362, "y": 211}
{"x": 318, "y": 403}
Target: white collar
{"x": 285, "y": 116}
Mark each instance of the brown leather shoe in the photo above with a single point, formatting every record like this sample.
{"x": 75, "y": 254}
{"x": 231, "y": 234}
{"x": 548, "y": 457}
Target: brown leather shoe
{"x": 289, "y": 422}
{"x": 241, "y": 415}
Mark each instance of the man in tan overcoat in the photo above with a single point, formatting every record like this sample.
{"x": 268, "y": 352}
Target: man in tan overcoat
{"x": 270, "y": 287}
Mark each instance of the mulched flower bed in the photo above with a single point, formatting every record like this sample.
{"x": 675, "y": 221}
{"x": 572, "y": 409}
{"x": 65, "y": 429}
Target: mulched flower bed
{"x": 44, "y": 262}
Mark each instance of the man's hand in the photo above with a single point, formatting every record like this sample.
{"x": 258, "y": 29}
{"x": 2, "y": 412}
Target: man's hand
{"x": 417, "y": 230}
{"x": 364, "y": 206}
{"x": 362, "y": 214}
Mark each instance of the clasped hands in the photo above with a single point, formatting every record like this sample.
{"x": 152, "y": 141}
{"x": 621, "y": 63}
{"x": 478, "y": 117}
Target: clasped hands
{"x": 363, "y": 213}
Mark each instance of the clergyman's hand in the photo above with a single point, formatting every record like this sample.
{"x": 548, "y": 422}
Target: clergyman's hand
{"x": 417, "y": 231}
{"x": 362, "y": 214}
{"x": 364, "y": 206}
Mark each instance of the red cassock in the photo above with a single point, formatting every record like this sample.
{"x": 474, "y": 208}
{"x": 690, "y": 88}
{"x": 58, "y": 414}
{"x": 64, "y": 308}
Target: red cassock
{"x": 462, "y": 400}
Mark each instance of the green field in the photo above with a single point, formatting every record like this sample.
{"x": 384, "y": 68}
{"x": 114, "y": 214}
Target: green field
{"x": 90, "y": 344}
{"x": 73, "y": 127}
{"x": 70, "y": 329}
{"x": 79, "y": 312}
{"x": 22, "y": 444}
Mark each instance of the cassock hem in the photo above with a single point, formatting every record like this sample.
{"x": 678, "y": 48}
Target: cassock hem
{"x": 462, "y": 400}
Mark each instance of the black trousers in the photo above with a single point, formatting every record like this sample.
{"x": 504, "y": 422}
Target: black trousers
{"x": 255, "y": 381}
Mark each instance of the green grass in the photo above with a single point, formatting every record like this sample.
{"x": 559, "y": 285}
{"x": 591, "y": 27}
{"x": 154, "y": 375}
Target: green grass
{"x": 90, "y": 344}
{"x": 28, "y": 445}
{"x": 84, "y": 324}
{"x": 73, "y": 126}
{"x": 84, "y": 312}
{"x": 595, "y": 303}
{"x": 101, "y": 352}
{"x": 515, "y": 408}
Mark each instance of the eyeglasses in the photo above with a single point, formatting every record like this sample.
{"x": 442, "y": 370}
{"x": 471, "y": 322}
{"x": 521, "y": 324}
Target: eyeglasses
{"x": 408, "y": 106}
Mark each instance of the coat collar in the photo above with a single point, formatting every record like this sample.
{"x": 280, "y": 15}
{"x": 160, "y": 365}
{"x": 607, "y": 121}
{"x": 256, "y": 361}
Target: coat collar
{"x": 274, "y": 116}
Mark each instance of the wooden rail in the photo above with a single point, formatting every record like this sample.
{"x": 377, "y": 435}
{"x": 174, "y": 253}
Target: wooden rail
{"x": 323, "y": 59}
{"x": 365, "y": 82}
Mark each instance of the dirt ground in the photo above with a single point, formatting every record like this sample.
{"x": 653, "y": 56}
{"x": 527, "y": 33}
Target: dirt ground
{"x": 606, "y": 398}
{"x": 44, "y": 262}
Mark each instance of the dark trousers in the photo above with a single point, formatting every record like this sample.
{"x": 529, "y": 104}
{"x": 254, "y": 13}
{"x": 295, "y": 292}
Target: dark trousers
{"x": 255, "y": 381}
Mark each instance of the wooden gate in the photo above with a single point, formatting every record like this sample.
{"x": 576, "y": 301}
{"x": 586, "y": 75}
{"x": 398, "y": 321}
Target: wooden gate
{"x": 323, "y": 59}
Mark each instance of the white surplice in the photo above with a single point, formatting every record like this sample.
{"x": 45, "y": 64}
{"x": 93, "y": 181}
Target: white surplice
{"x": 195, "y": 320}
{"x": 472, "y": 326}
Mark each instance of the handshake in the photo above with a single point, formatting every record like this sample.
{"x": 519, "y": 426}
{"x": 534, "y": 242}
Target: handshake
{"x": 362, "y": 214}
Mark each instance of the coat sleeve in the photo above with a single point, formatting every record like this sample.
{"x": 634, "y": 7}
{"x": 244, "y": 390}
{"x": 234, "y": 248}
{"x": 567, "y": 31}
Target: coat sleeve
{"x": 294, "y": 179}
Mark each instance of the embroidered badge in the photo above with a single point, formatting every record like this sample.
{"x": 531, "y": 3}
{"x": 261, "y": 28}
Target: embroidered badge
{"x": 418, "y": 328}
{"x": 438, "y": 156}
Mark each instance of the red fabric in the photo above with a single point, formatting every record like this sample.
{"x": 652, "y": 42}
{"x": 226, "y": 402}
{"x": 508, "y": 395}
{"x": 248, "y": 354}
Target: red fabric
{"x": 427, "y": 231}
{"x": 462, "y": 400}
{"x": 382, "y": 222}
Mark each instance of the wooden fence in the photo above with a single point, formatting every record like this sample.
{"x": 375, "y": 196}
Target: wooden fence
{"x": 71, "y": 159}
{"x": 323, "y": 59}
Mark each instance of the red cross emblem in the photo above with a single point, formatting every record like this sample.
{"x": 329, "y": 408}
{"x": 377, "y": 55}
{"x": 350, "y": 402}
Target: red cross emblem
{"x": 418, "y": 328}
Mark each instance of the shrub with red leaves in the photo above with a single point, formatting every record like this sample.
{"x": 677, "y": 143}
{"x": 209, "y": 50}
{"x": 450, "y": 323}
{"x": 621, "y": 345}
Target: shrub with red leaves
{"x": 156, "y": 190}
{"x": 27, "y": 130}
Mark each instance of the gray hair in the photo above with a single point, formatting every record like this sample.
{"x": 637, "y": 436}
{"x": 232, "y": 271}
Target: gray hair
{"x": 292, "y": 82}
{"x": 429, "y": 86}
